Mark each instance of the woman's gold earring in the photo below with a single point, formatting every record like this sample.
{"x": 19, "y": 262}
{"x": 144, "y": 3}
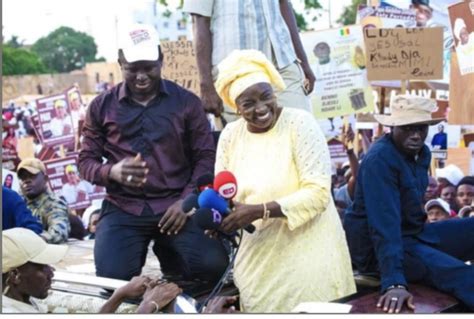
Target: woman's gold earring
{"x": 238, "y": 112}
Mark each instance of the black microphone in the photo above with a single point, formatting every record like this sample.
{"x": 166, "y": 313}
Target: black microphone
{"x": 208, "y": 218}
{"x": 190, "y": 204}
{"x": 204, "y": 182}
{"x": 211, "y": 219}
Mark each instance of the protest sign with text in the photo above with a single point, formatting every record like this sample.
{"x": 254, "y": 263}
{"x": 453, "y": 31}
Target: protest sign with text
{"x": 180, "y": 64}
{"x": 431, "y": 14}
{"x": 404, "y": 54}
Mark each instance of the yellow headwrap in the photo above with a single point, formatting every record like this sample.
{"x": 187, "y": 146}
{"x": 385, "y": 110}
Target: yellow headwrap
{"x": 240, "y": 70}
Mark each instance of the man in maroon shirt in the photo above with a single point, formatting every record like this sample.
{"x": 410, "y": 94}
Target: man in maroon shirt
{"x": 156, "y": 141}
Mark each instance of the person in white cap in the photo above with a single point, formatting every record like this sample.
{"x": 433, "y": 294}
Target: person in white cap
{"x": 156, "y": 139}
{"x": 450, "y": 174}
{"x": 27, "y": 275}
{"x": 437, "y": 210}
{"x": 386, "y": 229}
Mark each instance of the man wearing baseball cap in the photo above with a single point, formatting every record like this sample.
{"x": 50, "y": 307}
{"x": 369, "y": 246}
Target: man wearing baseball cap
{"x": 437, "y": 210}
{"x": 27, "y": 273}
{"x": 26, "y": 270}
{"x": 156, "y": 139}
{"x": 43, "y": 203}
{"x": 386, "y": 229}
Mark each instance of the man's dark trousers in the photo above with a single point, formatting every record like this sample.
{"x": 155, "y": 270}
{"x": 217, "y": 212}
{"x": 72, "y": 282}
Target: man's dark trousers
{"x": 122, "y": 241}
{"x": 441, "y": 264}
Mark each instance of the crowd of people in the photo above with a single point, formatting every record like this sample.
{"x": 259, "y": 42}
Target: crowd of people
{"x": 380, "y": 213}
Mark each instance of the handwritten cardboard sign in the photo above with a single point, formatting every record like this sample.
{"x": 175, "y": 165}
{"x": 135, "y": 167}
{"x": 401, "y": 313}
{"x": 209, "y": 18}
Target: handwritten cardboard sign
{"x": 179, "y": 64}
{"x": 404, "y": 53}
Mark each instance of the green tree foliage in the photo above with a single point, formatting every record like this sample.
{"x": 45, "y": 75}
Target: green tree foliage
{"x": 349, "y": 14}
{"x": 66, "y": 49}
{"x": 15, "y": 42}
{"x": 18, "y": 61}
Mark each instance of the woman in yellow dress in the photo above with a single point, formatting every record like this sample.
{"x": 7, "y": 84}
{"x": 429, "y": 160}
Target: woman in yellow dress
{"x": 298, "y": 252}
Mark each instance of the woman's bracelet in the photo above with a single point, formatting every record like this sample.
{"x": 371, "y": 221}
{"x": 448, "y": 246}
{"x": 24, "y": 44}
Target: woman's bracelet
{"x": 157, "y": 307}
{"x": 266, "y": 212}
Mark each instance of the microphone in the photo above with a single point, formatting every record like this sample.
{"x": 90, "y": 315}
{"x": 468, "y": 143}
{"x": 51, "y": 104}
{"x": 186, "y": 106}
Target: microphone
{"x": 190, "y": 204}
{"x": 207, "y": 218}
{"x": 225, "y": 184}
{"x": 204, "y": 182}
{"x": 209, "y": 198}
{"x": 211, "y": 219}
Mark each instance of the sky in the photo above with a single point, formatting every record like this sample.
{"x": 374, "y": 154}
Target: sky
{"x": 31, "y": 20}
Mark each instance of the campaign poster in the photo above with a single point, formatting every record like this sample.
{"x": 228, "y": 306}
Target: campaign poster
{"x": 78, "y": 110}
{"x": 10, "y": 158}
{"x": 337, "y": 58}
{"x": 385, "y": 17}
{"x": 432, "y": 14}
{"x": 10, "y": 180}
{"x": 65, "y": 181}
{"x": 55, "y": 121}
{"x": 461, "y": 16}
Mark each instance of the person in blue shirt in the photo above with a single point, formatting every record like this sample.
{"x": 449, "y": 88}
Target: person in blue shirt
{"x": 16, "y": 214}
{"x": 440, "y": 139}
{"x": 385, "y": 227}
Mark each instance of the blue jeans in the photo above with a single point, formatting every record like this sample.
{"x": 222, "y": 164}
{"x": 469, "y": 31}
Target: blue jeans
{"x": 122, "y": 240}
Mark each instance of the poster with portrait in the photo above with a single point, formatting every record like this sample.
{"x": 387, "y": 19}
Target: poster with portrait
{"x": 10, "y": 180}
{"x": 10, "y": 157}
{"x": 65, "y": 181}
{"x": 55, "y": 121}
{"x": 433, "y": 13}
{"x": 337, "y": 58}
{"x": 77, "y": 106}
{"x": 461, "y": 16}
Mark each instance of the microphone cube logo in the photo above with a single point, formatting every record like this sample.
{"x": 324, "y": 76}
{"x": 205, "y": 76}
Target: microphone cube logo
{"x": 228, "y": 190}
{"x": 216, "y": 216}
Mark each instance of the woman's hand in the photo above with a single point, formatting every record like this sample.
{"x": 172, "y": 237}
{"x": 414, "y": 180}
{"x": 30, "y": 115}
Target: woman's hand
{"x": 221, "y": 304}
{"x": 241, "y": 216}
